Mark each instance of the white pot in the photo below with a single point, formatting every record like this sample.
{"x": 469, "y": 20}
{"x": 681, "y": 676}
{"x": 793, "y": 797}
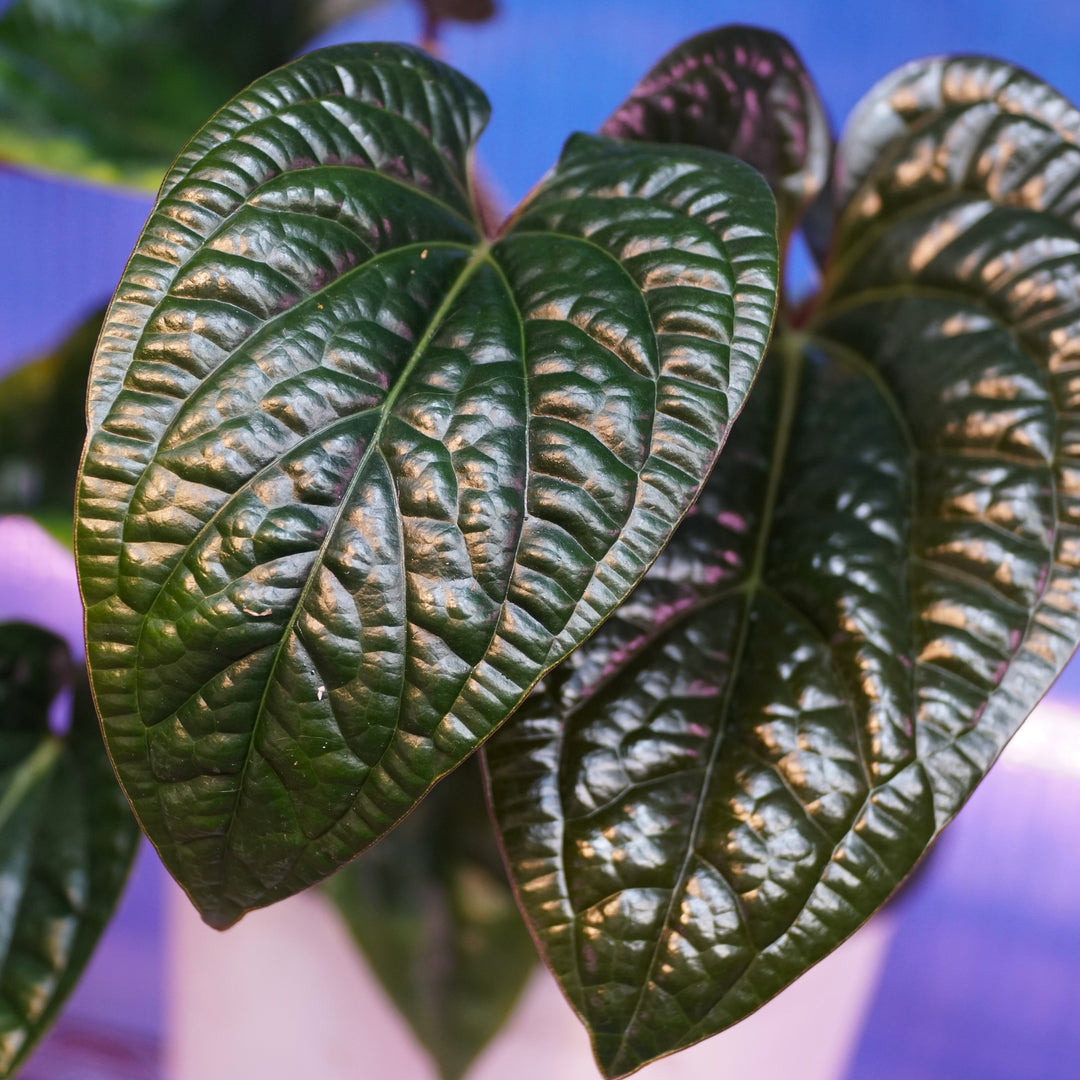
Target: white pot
{"x": 284, "y": 995}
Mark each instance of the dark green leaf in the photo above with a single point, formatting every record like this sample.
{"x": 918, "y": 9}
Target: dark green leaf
{"x": 42, "y": 428}
{"x": 878, "y": 583}
{"x": 67, "y": 837}
{"x": 357, "y": 476}
{"x": 742, "y": 90}
{"x": 109, "y": 90}
{"x": 435, "y": 916}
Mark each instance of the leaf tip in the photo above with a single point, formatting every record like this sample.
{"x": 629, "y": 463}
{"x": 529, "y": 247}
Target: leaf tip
{"x": 219, "y": 915}
{"x": 614, "y": 1055}
{"x": 614, "y": 1066}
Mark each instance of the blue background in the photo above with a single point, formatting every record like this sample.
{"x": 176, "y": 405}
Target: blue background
{"x": 984, "y": 974}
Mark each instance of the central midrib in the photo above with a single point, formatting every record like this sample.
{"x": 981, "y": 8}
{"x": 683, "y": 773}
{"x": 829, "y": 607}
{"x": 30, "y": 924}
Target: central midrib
{"x": 480, "y": 255}
{"x": 792, "y": 360}
{"x": 229, "y": 501}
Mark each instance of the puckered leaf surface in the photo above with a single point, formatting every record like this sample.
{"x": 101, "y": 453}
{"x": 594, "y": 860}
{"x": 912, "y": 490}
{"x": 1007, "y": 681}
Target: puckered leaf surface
{"x": 67, "y": 838}
{"x": 357, "y": 475}
{"x": 880, "y": 580}
{"x": 742, "y": 90}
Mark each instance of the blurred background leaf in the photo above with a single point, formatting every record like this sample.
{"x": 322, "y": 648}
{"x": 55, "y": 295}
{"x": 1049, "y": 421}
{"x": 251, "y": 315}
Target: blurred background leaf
{"x": 110, "y": 90}
{"x": 42, "y": 427}
{"x": 433, "y": 913}
{"x": 67, "y": 837}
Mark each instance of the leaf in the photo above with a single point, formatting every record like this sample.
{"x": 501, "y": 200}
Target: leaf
{"x": 742, "y": 90}
{"x": 42, "y": 429}
{"x": 67, "y": 838}
{"x": 357, "y": 476}
{"x": 878, "y": 583}
{"x": 109, "y": 90}
{"x": 433, "y": 913}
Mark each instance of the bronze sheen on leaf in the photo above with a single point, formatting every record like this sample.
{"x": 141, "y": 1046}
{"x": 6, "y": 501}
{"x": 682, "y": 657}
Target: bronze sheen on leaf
{"x": 878, "y": 583}
{"x": 744, "y": 91}
{"x": 357, "y": 475}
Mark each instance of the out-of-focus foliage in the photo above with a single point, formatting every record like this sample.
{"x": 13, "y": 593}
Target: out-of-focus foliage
{"x": 42, "y": 427}
{"x": 110, "y": 90}
{"x": 435, "y": 916}
{"x": 67, "y": 837}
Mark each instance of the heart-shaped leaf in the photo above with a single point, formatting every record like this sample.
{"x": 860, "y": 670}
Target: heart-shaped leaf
{"x": 356, "y": 476}
{"x": 742, "y": 90}
{"x": 432, "y": 910}
{"x": 109, "y": 90}
{"x": 67, "y": 837}
{"x": 876, "y": 586}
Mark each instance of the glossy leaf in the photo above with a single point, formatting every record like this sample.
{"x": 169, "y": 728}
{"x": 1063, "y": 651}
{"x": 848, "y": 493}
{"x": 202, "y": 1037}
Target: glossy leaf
{"x": 110, "y": 90}
{"x": 67, "y": 837}
{"x": 742, "y": 90}
{"x": 433, "y": 912}
{"x": 878, "y": 583}
{"x": 42, "y": 428}
{"x": 357, "y": 476}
